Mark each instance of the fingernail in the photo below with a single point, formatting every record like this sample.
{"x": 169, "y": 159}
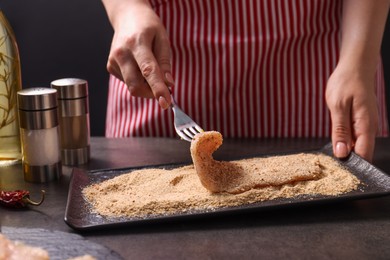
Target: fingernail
{"x": 163, "y": 102}
{"x": 341, "y": 150}
{"x": 169, "y": 78}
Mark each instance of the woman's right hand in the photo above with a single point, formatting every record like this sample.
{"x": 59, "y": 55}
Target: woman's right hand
{"x": 140, "y": 50}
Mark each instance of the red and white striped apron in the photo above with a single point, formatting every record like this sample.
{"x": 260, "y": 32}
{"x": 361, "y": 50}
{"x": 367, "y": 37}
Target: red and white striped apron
{"x": 245, "y": 68}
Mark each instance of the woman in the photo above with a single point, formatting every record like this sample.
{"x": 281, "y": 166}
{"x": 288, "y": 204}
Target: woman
{"x": 250, "y": 69}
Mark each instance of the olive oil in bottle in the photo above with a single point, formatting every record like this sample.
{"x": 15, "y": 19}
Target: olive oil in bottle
{"x": 10, "y": 84}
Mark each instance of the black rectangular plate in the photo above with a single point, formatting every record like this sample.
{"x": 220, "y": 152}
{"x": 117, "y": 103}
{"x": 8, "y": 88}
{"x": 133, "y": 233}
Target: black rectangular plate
{"x": 78, "y": 213}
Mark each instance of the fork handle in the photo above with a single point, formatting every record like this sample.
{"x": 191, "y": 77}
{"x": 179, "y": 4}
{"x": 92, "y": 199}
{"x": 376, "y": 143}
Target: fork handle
{"x": 173, "y": 101}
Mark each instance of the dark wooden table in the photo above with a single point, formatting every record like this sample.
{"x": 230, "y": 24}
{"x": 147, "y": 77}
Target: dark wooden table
{"x": 348, "y": 230}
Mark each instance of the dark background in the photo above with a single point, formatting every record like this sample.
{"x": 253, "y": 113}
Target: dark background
{"x": 72, "y": 38}
{"x": 62, "y": 39}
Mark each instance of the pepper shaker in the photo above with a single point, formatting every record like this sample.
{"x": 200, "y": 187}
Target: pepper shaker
{"x": 74, "y": 120}
{"x": 39, "y": 134}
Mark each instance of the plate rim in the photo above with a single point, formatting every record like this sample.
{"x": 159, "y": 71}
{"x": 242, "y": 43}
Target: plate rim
{"x": 351, "y": 161}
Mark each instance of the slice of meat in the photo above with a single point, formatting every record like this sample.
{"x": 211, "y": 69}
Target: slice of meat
{"x": 16, "y": 250}
{"x": 239, "y": 176}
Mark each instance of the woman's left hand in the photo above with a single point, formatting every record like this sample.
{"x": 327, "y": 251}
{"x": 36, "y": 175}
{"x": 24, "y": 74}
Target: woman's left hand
{"x": 352, "y": 103}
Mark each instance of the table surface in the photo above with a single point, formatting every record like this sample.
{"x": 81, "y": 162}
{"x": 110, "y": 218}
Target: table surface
{"x": 355, "y": 229}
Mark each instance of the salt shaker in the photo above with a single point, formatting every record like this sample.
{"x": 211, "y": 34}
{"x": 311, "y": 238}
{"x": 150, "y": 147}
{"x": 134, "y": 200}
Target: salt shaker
{"x": 39, "y": 134}
{"x": 74, "y": 120}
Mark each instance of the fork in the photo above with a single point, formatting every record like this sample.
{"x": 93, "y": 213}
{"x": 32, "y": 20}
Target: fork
{"x": 185, "y": 127}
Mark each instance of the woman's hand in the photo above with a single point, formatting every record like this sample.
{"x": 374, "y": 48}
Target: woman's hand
{"x": 140, "y": 50}
{"x": 352, "y": 102}
{"x": 350, "y": 92}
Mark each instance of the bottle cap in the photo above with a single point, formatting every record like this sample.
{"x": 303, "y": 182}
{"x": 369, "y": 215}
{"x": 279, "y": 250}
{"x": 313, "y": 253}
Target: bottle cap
{"x": 33, "y": 99}
{"x": 70, "y": 88}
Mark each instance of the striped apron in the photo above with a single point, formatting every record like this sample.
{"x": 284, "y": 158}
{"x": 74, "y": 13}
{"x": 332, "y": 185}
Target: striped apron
{"x": 245, "y": 68}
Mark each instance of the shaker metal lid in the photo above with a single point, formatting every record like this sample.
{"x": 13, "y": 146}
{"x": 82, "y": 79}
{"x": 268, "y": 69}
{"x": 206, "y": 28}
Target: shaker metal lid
{"x": 69, "y": 88}
{"x": 37, "y": 98}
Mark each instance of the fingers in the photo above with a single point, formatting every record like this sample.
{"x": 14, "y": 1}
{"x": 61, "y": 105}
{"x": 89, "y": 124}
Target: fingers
{"x": 113, "y": 68}
{"x": 132, "y": 77}
{"x": 122, "y": 65}
{"x": 341, "y": 130}
{"x": 365, "y": 129}
{"x": 145, "y": 69}
{"x": 364, "y": 147}
{"x": 155, "y": 66}
{"x": 162, "y": 53}
{"x": 353, "y": 128}
{"x": 151, "y": 72}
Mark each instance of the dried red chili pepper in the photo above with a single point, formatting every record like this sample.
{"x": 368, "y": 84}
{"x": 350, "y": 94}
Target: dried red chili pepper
{"x": 19, "y": 198}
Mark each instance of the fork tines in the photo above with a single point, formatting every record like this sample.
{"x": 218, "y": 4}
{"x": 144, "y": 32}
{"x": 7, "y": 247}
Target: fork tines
{"x": 188, "y": 132}
{"x": 185, "y": 126}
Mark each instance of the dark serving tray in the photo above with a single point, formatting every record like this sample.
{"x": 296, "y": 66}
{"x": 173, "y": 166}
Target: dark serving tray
{"x": 78, "y": 213}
